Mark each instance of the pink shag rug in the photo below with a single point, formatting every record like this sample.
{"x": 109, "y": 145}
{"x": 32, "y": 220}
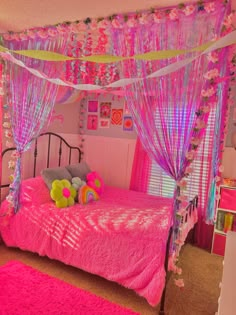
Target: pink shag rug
{"x": 24, "y": 290}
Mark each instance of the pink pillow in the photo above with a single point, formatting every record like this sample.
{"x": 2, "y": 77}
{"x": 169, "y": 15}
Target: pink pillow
{"x": 34, "y": 191}
{"x": 95, "y": 181}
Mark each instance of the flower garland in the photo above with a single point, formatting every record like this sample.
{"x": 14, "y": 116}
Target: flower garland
{"x": 7, "y": 137}
{"x": 209, "y": 100}
{"x": 154, "y": 15}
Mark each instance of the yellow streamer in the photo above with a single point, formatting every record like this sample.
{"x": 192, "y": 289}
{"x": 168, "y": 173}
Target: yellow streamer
{"x": 153, "y": 55}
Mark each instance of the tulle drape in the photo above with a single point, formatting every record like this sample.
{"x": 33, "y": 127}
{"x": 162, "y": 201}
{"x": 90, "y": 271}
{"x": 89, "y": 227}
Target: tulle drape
{"x": 166, "y": 109}
{"x": 31, "y": 99}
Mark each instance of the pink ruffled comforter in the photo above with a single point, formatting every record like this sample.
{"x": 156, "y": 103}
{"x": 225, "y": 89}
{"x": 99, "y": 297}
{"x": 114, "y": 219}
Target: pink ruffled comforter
{"x": 122, "y": 237}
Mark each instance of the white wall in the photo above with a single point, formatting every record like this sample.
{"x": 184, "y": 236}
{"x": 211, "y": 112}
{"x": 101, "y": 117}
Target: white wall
{"x": 111, "y": 157}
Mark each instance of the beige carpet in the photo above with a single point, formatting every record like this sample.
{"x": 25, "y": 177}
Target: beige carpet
{"x": 202, "y": 274}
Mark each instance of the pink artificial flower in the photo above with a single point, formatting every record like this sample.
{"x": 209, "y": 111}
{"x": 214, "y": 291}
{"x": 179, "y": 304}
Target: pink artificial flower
{"x": 73, "y": 28}
{"x": 15, "y": 154}
{"x": 189, "y": 170}
{"x": 81, "y": 26}
{"x": 209, "y": 92}
{"x": 31, "y": 34}
{"x": 189, "y": 10}
{"x": 132, "y": 22}
{"x": 8, "y": 134}
{"x": 7, "y": 125}
{"x": 52, "y": 32}
{"x": 213, "y": 57}
{"x": 42, "y": 33}
{"x": 182, "y": 184}
{"x": 228, "y": 21}
{"x": 116, "y": 23}
{"x": 143, "y": 19}
{"x": 62, "y": 29}
{"x": 179, "y": 283}
{"x": 221, "y": 168}
{"x": 211, "y": 74}
{"x": 7, "y": 36}
{"x": 172, "y": 262}
{"x": 23, "y": 36}
{"x": 195, "y": 141}
{"x": 93, "y": 25}
{"x": 190, "y": 155}
{"x": 209, "y": 7}
{"x": 7, "y": 115}
{"x": 205, "y": 109}
{"x": 15, "y": 36}
{"x": 179, "y": 242}
{"x": 179, "y": 271}
{"x": 173, "y": 15}
{"x": 157, "y": 17}
{"x": 200, "y": 124}
{"x": 9, "y": 198}
{"x": 103, "y": 23}
{"x": 11, "y": 164}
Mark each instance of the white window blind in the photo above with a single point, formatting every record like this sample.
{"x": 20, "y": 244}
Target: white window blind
{"x": 161, "y": 184}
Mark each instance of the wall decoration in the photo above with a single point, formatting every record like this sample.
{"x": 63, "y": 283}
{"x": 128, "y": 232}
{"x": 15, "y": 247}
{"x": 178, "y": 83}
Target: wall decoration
{"x": 128, "y": 123}
{"x": 104, "y": 123}
{"x": 92, "y": 122}
{"x": 92, "y": 106}
{"x": 105, "y": 109}
{"x": 116, "y": 118}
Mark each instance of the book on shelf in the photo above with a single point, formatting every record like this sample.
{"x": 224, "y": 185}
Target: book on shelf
{"x": 220, "y": 221}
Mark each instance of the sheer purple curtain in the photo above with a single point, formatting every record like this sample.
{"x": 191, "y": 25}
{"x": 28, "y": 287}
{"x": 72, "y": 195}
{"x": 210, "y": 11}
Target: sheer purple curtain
{"x": 166, "y": 109}
{"x": 30, "y": 98}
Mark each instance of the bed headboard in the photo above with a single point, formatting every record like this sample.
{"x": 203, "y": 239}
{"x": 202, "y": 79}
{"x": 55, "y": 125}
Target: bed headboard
{"x": 48, "y": 139}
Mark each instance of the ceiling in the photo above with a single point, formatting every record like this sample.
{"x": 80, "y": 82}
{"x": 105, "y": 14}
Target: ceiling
{"x": 18, "y": 15}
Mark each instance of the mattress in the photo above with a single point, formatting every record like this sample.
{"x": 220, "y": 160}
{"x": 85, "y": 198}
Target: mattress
{"x": 121, "y": 237}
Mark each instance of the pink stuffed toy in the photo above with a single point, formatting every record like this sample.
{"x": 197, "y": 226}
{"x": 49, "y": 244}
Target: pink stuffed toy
{"x": 95, "y": 182}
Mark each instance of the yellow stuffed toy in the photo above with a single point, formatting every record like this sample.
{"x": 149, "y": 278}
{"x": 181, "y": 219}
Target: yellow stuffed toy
{"x": 63, "y": 193}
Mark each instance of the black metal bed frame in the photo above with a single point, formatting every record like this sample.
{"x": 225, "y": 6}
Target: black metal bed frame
{"x": 189, "y": 209}
{"x": 35, "y": 153}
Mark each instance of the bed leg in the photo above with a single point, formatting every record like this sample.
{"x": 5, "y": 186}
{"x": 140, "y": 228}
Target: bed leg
{"x": 163, "y": 297}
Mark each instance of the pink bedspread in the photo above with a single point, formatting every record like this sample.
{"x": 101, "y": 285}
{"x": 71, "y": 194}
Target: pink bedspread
{"x": 122, "y": 237}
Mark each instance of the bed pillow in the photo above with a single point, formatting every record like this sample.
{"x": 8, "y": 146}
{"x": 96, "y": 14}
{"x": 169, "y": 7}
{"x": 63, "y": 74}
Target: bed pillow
{"x": 87, "y": 194}
{"x": 95, "y": 181}
{"x": 34, "y": 190}
{"x": 51, "y": 174}
{"x": 63, "y": 193}
{"x": 79, "y": 170}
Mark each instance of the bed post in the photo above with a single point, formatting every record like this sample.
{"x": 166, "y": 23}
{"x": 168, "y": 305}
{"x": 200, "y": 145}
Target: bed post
{"x": 163, "y": 297}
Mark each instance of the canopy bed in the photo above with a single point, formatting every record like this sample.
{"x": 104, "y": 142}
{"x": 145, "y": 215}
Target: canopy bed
{"x": 170, "y": 94}
{"x": 123, "y": 237}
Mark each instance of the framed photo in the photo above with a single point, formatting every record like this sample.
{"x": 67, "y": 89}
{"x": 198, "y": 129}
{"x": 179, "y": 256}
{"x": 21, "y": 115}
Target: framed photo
{"x": 128, "y": 123}
{"x": 117, "y": 116}
{"x": 92, "y": 106}
{"x": 105, "y": 109}
{"x": 104, "y": 123}
{"x": 92, "y": 122}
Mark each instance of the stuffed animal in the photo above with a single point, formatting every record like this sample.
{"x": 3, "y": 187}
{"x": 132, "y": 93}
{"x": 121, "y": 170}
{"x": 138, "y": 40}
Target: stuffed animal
{"x": 77, "y": 183}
